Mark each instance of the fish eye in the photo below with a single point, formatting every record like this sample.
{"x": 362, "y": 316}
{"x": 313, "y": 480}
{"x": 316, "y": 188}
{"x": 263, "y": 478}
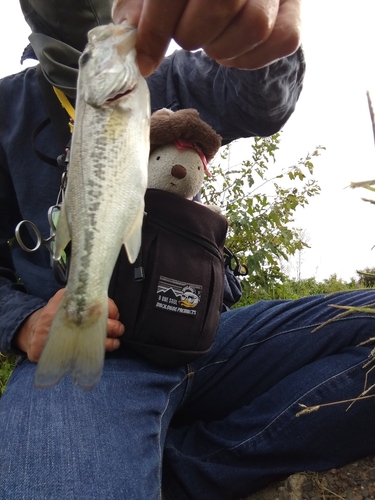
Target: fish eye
{"x": 85, "y": 57}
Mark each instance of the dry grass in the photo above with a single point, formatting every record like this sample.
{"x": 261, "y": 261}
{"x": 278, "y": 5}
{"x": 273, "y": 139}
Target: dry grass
{"x": 370, "y": 364}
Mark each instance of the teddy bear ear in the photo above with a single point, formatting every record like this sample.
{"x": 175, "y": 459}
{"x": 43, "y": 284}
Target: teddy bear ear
{"x": 163, "y": 112}
{"x": 166, "y": 110}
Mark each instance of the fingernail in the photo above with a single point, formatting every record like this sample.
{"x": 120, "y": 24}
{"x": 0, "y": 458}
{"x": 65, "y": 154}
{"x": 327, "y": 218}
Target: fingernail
{"x": 116, "y": 343}
{"x": 122, "y": 329}
{"x": 146, "y": 64}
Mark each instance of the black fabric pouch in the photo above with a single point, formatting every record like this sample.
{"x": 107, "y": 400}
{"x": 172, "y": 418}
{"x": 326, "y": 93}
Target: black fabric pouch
{"x": 170, "y": 299}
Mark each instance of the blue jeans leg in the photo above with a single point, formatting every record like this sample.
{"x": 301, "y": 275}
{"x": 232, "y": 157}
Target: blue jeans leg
{"x": 67, "y": 444}
{"x": 237, "y": 428}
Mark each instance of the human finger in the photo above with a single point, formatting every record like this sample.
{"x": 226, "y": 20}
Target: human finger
{"x": 156, "y": 24}
{"x": 112, "y": 309}
{"x": 283, "y": 40}
{"x": 129, "y": 10}
{"x": 250, "y": 28}
{"x": 226, "y": 28}
{"x": 111, "y": 344}
{"x": 114, "y": 328}
{"x": 54, "y": 302}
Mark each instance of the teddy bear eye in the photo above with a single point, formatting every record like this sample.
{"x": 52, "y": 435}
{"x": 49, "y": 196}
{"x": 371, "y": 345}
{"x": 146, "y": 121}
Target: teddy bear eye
{"x": 158, "y": 157}
{"x": 199, "y": 167}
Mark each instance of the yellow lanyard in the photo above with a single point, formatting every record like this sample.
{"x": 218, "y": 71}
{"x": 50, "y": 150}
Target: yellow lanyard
{"x": 67, "y": 106}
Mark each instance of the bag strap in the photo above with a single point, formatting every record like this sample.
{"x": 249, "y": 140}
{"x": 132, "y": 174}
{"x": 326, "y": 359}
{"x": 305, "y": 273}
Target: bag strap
{"x": 62, "y": 127}
{"x": 238, "y": 268}
{"x": 57, "y": 113}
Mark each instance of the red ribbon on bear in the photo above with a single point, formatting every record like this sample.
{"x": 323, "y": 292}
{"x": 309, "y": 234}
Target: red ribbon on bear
{"x": 183, "y": 144}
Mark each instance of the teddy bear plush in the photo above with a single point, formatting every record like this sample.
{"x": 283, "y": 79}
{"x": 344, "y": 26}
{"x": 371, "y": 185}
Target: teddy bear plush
{"x": 181, "y": 146}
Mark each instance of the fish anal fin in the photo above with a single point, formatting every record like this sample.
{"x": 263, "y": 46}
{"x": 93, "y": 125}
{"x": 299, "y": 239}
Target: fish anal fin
{"x": 62, "y": 236}
{"x": 133, "y": 240}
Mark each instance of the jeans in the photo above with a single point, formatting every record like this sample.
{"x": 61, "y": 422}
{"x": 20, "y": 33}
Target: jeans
{"x": 220, "y": 428}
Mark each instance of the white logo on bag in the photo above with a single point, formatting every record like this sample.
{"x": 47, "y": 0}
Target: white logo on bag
{"x": 178, "y": 296}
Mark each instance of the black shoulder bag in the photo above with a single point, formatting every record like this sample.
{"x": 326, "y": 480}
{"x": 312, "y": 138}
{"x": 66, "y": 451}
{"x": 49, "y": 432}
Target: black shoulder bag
{"x": 170, "y": 299}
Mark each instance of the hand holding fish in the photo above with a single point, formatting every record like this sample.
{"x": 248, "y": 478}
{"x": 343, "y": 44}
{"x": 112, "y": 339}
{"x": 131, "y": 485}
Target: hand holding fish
{"x": 33, "y": 334}
{"x": 246, "y": 34}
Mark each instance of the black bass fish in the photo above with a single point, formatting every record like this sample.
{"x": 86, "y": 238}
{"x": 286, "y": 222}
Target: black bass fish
{"x": 104, "y": 203}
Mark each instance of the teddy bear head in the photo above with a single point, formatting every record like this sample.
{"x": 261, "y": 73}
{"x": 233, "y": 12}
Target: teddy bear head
{"x": 181, "y": 146}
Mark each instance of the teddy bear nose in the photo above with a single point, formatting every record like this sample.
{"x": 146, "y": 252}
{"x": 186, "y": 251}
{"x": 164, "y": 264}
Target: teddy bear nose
{"x": 178, "y": 171}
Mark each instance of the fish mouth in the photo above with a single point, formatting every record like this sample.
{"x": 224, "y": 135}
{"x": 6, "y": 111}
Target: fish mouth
{"x": 120, "y": 95}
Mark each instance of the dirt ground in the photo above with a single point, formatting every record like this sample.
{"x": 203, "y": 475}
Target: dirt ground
{"x": 355, "y": 481}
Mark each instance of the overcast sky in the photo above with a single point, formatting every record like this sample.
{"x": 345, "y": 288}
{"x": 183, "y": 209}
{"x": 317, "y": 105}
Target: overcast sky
{"x": 339, "y": 44}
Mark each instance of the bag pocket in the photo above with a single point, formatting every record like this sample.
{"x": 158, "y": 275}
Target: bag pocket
{"x": 176, "y": 300}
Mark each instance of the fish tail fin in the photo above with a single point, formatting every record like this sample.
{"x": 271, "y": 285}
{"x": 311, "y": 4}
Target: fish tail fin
{"x": 89, "y": 360}
{"x": 75, "y": 349}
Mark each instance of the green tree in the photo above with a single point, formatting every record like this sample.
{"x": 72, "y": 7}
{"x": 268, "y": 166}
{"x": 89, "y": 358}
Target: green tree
{"x": 367, "y": 277}
{"x": 293, "y": 289}
{"x": 260, "y": 206}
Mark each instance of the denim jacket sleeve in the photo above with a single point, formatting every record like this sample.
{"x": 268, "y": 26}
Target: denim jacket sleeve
{"x": 236, "y": 103}
{"x": 15, "y": 304}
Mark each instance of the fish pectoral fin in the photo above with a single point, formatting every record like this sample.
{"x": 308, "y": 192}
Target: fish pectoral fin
{"x": 62, "y": 236}
{"x": 133, "y": 240}
{"x": 126, "y": 41}
{"x": 73, "y": 348}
